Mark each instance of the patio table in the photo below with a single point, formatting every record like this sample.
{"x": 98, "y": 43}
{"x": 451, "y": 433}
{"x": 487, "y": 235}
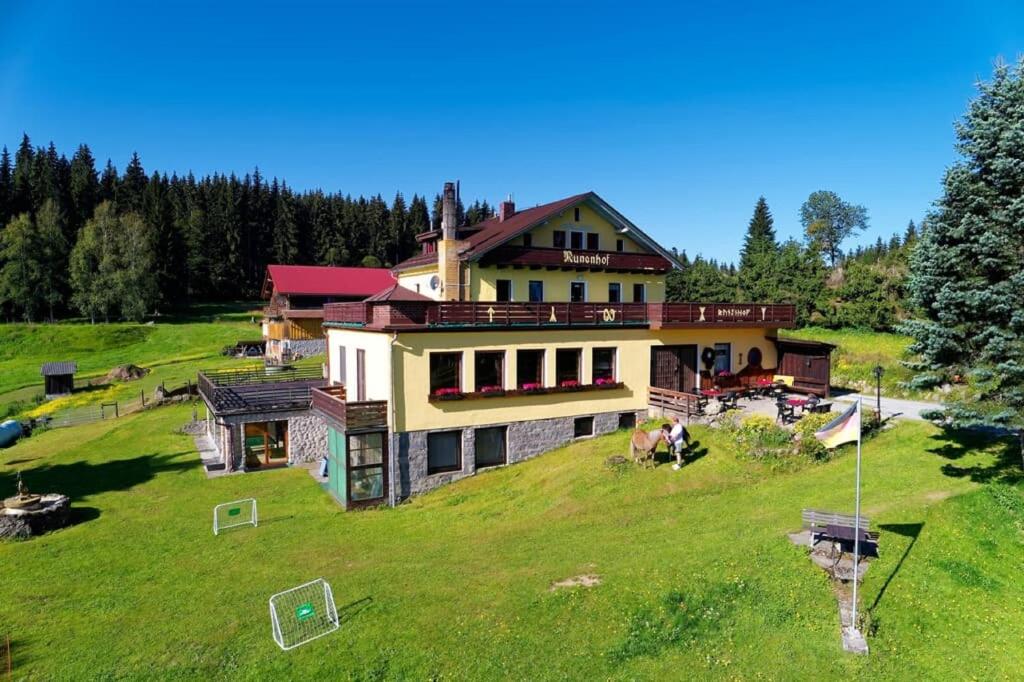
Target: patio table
{"x": 796, "y": 402}
{"x": 712, "y": 393}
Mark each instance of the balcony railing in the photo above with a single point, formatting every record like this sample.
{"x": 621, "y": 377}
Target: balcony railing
{"x": 258, "y": 389}
{"x": 439, "y": 314}
{"x": 330, "y": 403}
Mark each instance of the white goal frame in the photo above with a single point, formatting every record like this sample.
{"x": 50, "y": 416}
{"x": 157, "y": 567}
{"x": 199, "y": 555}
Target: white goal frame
{"x": 286, "y": 601}
{"x": 219, "y": 526}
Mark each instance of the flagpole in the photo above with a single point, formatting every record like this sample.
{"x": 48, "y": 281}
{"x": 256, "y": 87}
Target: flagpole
{"x": 856, "y": 535}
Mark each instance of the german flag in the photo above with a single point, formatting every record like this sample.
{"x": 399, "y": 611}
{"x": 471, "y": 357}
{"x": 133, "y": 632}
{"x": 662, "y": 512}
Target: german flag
{"x": 843, "y": 429}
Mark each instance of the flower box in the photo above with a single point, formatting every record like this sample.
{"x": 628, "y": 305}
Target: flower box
{"x": 532, "y": 388}
{"x": 607, "y": 384}
{"x": 570, "y": 385}
{"x": 446, "y": 394}
{"x": 490, "y": 391}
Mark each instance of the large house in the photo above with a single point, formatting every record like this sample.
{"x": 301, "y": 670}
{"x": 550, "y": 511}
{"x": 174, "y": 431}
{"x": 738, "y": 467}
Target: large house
{"x": 499, "y": 341}
{"x": 296, "y": 296}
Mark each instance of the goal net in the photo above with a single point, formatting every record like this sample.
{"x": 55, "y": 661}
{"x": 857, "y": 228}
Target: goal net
{"x": 303, "y": 613}
{"x": 237, "y": 513}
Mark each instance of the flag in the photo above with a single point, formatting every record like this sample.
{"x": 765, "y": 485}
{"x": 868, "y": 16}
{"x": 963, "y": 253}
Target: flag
{"x": 843, "y": 429}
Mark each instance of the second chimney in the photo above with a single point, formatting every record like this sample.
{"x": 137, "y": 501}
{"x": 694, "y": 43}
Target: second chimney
{"x": 506, "y": 210}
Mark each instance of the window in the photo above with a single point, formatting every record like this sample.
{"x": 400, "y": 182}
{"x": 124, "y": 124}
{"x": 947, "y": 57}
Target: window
{"x": 754, "y": 357}
{"x": 444, "y": 451}
{"x": 342, "y": 369}
{"x": 536, "y": 291}
{"x": 577, "y": 292}
{"x": 366, "y": 466}
{"x": 489, "y": 368}
{"x": 576, "y": 240}
{"x": 604, "y": 365}
{"x": 614, "y": 292}
{"x": 504, "y": 287}
{"x": 583, "y": 427}
{"x": 445, "y": 371}
{"x": 593, "y": 241}
{"x": 627, "y": 420}
{"x": 489, "y": 446}
{"x": 527, "y": 239}
{"x": 567, "y": 366}
{"x": 558, "y": 239}
{"x": 360, "y": 374}
{"x": 723, "y": 357}
{"x": 639, "y": 293}
{"x": 529, "y": 368}
{"x": 620, "y": 245}
{"x": 576, "y": 214}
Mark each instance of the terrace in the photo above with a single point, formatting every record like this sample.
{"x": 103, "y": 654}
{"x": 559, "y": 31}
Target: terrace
{"x": 412, "y": 315}
{"x": 259, "y": 389}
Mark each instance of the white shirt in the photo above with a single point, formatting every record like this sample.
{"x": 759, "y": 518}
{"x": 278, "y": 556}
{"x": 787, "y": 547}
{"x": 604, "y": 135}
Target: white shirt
{"x": 676, "y": 434}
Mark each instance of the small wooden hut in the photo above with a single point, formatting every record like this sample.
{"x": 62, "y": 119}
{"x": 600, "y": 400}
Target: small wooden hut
{"x": 59, "y": 377}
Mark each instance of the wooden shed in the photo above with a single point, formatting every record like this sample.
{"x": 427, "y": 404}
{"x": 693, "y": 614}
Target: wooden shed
{"x": 808, "y": 362}
{"x": 59, "y": 377}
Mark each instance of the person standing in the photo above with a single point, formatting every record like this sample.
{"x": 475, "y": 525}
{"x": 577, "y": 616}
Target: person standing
{"x": 678, "y": 440}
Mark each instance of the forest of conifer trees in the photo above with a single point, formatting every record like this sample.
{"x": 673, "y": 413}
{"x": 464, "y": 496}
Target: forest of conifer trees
{"x": 108, "y": 245}
{"x": 111, "y": 245}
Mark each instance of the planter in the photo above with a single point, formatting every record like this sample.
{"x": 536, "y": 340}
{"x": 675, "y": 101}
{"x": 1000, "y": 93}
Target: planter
{"x": 489, "y": 394}
{"x": 608, "y": 386}
{"x": 445, "y": 396}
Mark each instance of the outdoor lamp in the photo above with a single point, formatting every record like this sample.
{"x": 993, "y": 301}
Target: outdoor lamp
{"x": 878, "y": 371}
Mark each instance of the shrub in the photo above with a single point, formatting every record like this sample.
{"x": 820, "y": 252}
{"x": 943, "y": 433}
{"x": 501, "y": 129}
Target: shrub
{"x": 761, "y": 437}
{"x": 807, "y": 444}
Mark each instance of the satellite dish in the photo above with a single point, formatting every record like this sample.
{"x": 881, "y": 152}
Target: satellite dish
{"x": 435, "y": 282}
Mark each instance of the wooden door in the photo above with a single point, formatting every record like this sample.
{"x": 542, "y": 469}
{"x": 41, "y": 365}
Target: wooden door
{"x": 674, "y": 367}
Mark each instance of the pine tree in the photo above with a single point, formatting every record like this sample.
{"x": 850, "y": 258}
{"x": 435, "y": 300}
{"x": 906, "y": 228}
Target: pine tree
{"x": 398, "y": 231}
{"x": 108, "y": 183}
{"x": 967, "y": 269}
{"x": 84, "y": 188}
{"x": 22, "y": 178}
{"x": 760, "y": 234}
{"x": 911, "y": 234}
{"x": 286, "y": 239}
{"x": 128, "y": 195}
{"x": 6, "y": 187}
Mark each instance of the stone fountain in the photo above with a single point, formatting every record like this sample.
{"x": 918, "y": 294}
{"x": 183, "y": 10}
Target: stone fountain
{"x": 27, "y": 514}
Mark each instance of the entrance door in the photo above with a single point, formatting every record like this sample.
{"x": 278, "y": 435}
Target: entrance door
{"x": 674, "y": 367}
{"x": 266, "y": 443}
{"x": 367, "y": 468}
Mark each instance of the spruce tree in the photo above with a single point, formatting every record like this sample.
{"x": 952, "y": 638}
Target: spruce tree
{"x": 6, "y": 187}
{"x": 84, "y": 188}
{"x": 128, "y": 195}
{"x": 22, "y": 178}
{"x": 760, "y": 236}
{"x": 108, "y": 183}
{"x": 286, "y": 238}
{"x": 967, "y": 270}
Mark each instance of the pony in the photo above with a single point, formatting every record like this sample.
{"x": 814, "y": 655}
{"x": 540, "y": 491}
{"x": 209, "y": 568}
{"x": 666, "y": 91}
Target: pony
{"x": 643, "y": 445}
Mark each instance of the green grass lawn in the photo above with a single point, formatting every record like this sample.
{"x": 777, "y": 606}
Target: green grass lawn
{"x": 858, "y": 352}
{"x": 698, "y": 579}
{"x": 174, "y": 348}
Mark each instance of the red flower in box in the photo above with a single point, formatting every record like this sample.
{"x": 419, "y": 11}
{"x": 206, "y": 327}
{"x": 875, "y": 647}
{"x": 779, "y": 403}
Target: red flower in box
{"x": 569, "y": 383}
{"x": 447, "y": 391}
{"x": 604, "y": 381}
{"x": 531, "y": 387}
{"x": 491, "y": 389}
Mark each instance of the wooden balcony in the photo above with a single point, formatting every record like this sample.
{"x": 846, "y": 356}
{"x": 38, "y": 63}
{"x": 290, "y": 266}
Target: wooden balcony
{"x": 575, "y": 259}
{"x": 436, "y": 315}
{"x": 369, "y": 415}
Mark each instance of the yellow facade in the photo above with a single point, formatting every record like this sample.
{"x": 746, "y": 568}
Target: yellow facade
{"x": 482, "y": 280}
{"x": 405, "y": 359}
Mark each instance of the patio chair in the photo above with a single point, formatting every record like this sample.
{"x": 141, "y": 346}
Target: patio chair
{"x": 729, "y": 401}
{"x": 811, "y": 405}
{"x": 787, "y": 413}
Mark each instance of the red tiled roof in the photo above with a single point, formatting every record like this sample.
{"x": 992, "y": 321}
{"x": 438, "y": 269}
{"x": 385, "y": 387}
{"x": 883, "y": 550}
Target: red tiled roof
{"x": 316, "y": 280}
{"x": 396, "y": 292}
{"x": 494, "y": 232}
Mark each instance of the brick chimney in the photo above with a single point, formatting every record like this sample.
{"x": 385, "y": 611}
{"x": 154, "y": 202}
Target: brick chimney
{"x": 448, "y": 211}
{"x": 506, "y": 210}
{"x": 448, "y": 265}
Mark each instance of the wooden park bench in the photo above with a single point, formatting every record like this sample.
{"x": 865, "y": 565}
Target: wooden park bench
{"x": 840, "y": 529}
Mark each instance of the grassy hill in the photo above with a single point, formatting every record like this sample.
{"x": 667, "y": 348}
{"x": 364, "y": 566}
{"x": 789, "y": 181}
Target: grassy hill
{"x": 697, "y": 577}
{"x": 173, "y": 348}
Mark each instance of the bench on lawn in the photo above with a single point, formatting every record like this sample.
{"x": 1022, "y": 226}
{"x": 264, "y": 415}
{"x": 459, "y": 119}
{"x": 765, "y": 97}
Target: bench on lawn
{"x": 838, "y": 527}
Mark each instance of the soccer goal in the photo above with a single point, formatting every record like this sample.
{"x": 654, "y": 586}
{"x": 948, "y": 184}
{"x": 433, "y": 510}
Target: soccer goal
{"x": 237, "y": 513}
{"x": 303, "y": 613}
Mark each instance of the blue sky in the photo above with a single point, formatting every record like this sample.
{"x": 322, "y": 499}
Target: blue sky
{"x": 680, "y": 115}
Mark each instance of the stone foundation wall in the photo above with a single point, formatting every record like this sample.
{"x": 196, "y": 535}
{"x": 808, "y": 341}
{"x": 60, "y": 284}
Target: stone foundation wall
{"x": 524, "y": 440}
{"x": 307, "y": 439}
